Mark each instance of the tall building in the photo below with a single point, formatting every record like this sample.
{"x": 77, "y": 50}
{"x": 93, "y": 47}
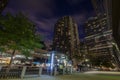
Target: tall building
{"x": 111, "y": 9}
{"x": 66, "y": 37}
{"x": 116, "y": 20}
{"x": 96, "y": 25}
{"x": 99, "y": 40}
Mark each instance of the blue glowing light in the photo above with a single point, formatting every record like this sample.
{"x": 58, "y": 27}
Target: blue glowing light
{"x": 52, "y": 60}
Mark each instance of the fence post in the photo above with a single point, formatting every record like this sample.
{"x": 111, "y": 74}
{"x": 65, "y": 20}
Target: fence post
{"x": 71, "y": 69}
{"x": 51, "y": 72}
{"x": 63, "y": 71}
{"x": 23, "y": 71}
{"x": 40, "y": 71}
{"x": 0, "y": 68}
{"x": 55, "y": 71}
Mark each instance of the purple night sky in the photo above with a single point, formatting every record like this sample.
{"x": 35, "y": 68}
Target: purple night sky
{"x": 45, "y": 13}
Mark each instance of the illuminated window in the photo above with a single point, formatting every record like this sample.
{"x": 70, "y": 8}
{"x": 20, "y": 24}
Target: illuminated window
{"x": 57, "y": 42}
{"x": 68, "y": 33}
{"x": 62, "y": 24}
{"x": 59, "y": 29}
{"x": 62, "y": 42}
{"x": 61, "y": 46}
{"x": 88, "y": 24}
{"x": 94, "y": 26}
{"x": 93, "y": 22}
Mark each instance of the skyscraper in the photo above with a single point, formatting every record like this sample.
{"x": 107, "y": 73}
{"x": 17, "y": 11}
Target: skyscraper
{"x": 111, "y": 9}
{"x": 99, "y": 41}
{"x": 66, "y": 37}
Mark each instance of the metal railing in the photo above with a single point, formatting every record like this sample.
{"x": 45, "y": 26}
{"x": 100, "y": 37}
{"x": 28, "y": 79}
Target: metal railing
{"x": 14, "y": 72}
{"x": 24, "y": 71}
{"x": 19, "y": 72}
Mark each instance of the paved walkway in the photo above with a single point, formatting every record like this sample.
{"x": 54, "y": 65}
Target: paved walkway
{"x": 76, "y": 76}
{"x": 42, "y": 77}
{"x": 102, "y": 72}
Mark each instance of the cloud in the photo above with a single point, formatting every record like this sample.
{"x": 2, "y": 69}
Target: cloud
{"x": 45, "y": 27}
{"x": 35, "y": 6}
{"x": 79, "y": 19}
{"x": 40, "y": 7}
{"x": 46, "y": 24}
{"x": 45, "y": 13}
{"x": 11, "y": 10}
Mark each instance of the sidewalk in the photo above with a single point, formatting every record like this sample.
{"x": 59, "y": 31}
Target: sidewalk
{"x": 102, "y": 72}
{"x": 90, "y": 75}
{"x": 42, "y": 77}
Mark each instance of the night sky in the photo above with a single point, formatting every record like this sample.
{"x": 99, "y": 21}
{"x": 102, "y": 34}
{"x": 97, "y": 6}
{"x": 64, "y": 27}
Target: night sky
{"x": 45, "y": 13}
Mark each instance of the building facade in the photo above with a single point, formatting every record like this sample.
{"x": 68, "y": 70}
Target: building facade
{"x": 66, "y": 37}
{"x": 99, "y": 40}
{"x": 110, "y": 8}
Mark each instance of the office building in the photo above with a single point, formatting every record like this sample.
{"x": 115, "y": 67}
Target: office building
{"x": 66, "y": 37}
{"x": 99, "y": 40}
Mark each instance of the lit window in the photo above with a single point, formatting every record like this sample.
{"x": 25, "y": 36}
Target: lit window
{"x": 58, "y": 29}
{"x": 62, "y": 42}
{"x": 68, "y": 33}
{"x": 93, "y": 22}
{"x": 94, "y": 26}
{"x": 62, "y": 24}
{"x": 88, "y": 24}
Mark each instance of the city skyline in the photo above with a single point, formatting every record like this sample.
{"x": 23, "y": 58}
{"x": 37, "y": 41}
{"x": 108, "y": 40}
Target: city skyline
{"x": 44, "y": 13}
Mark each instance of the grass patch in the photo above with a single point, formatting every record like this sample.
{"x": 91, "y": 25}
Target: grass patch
{"x": 89, "y": 77}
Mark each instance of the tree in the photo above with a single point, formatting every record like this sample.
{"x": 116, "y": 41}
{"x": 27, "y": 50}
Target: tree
{"x": 3, "y": 4}
{"x": 17, "y": 33}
